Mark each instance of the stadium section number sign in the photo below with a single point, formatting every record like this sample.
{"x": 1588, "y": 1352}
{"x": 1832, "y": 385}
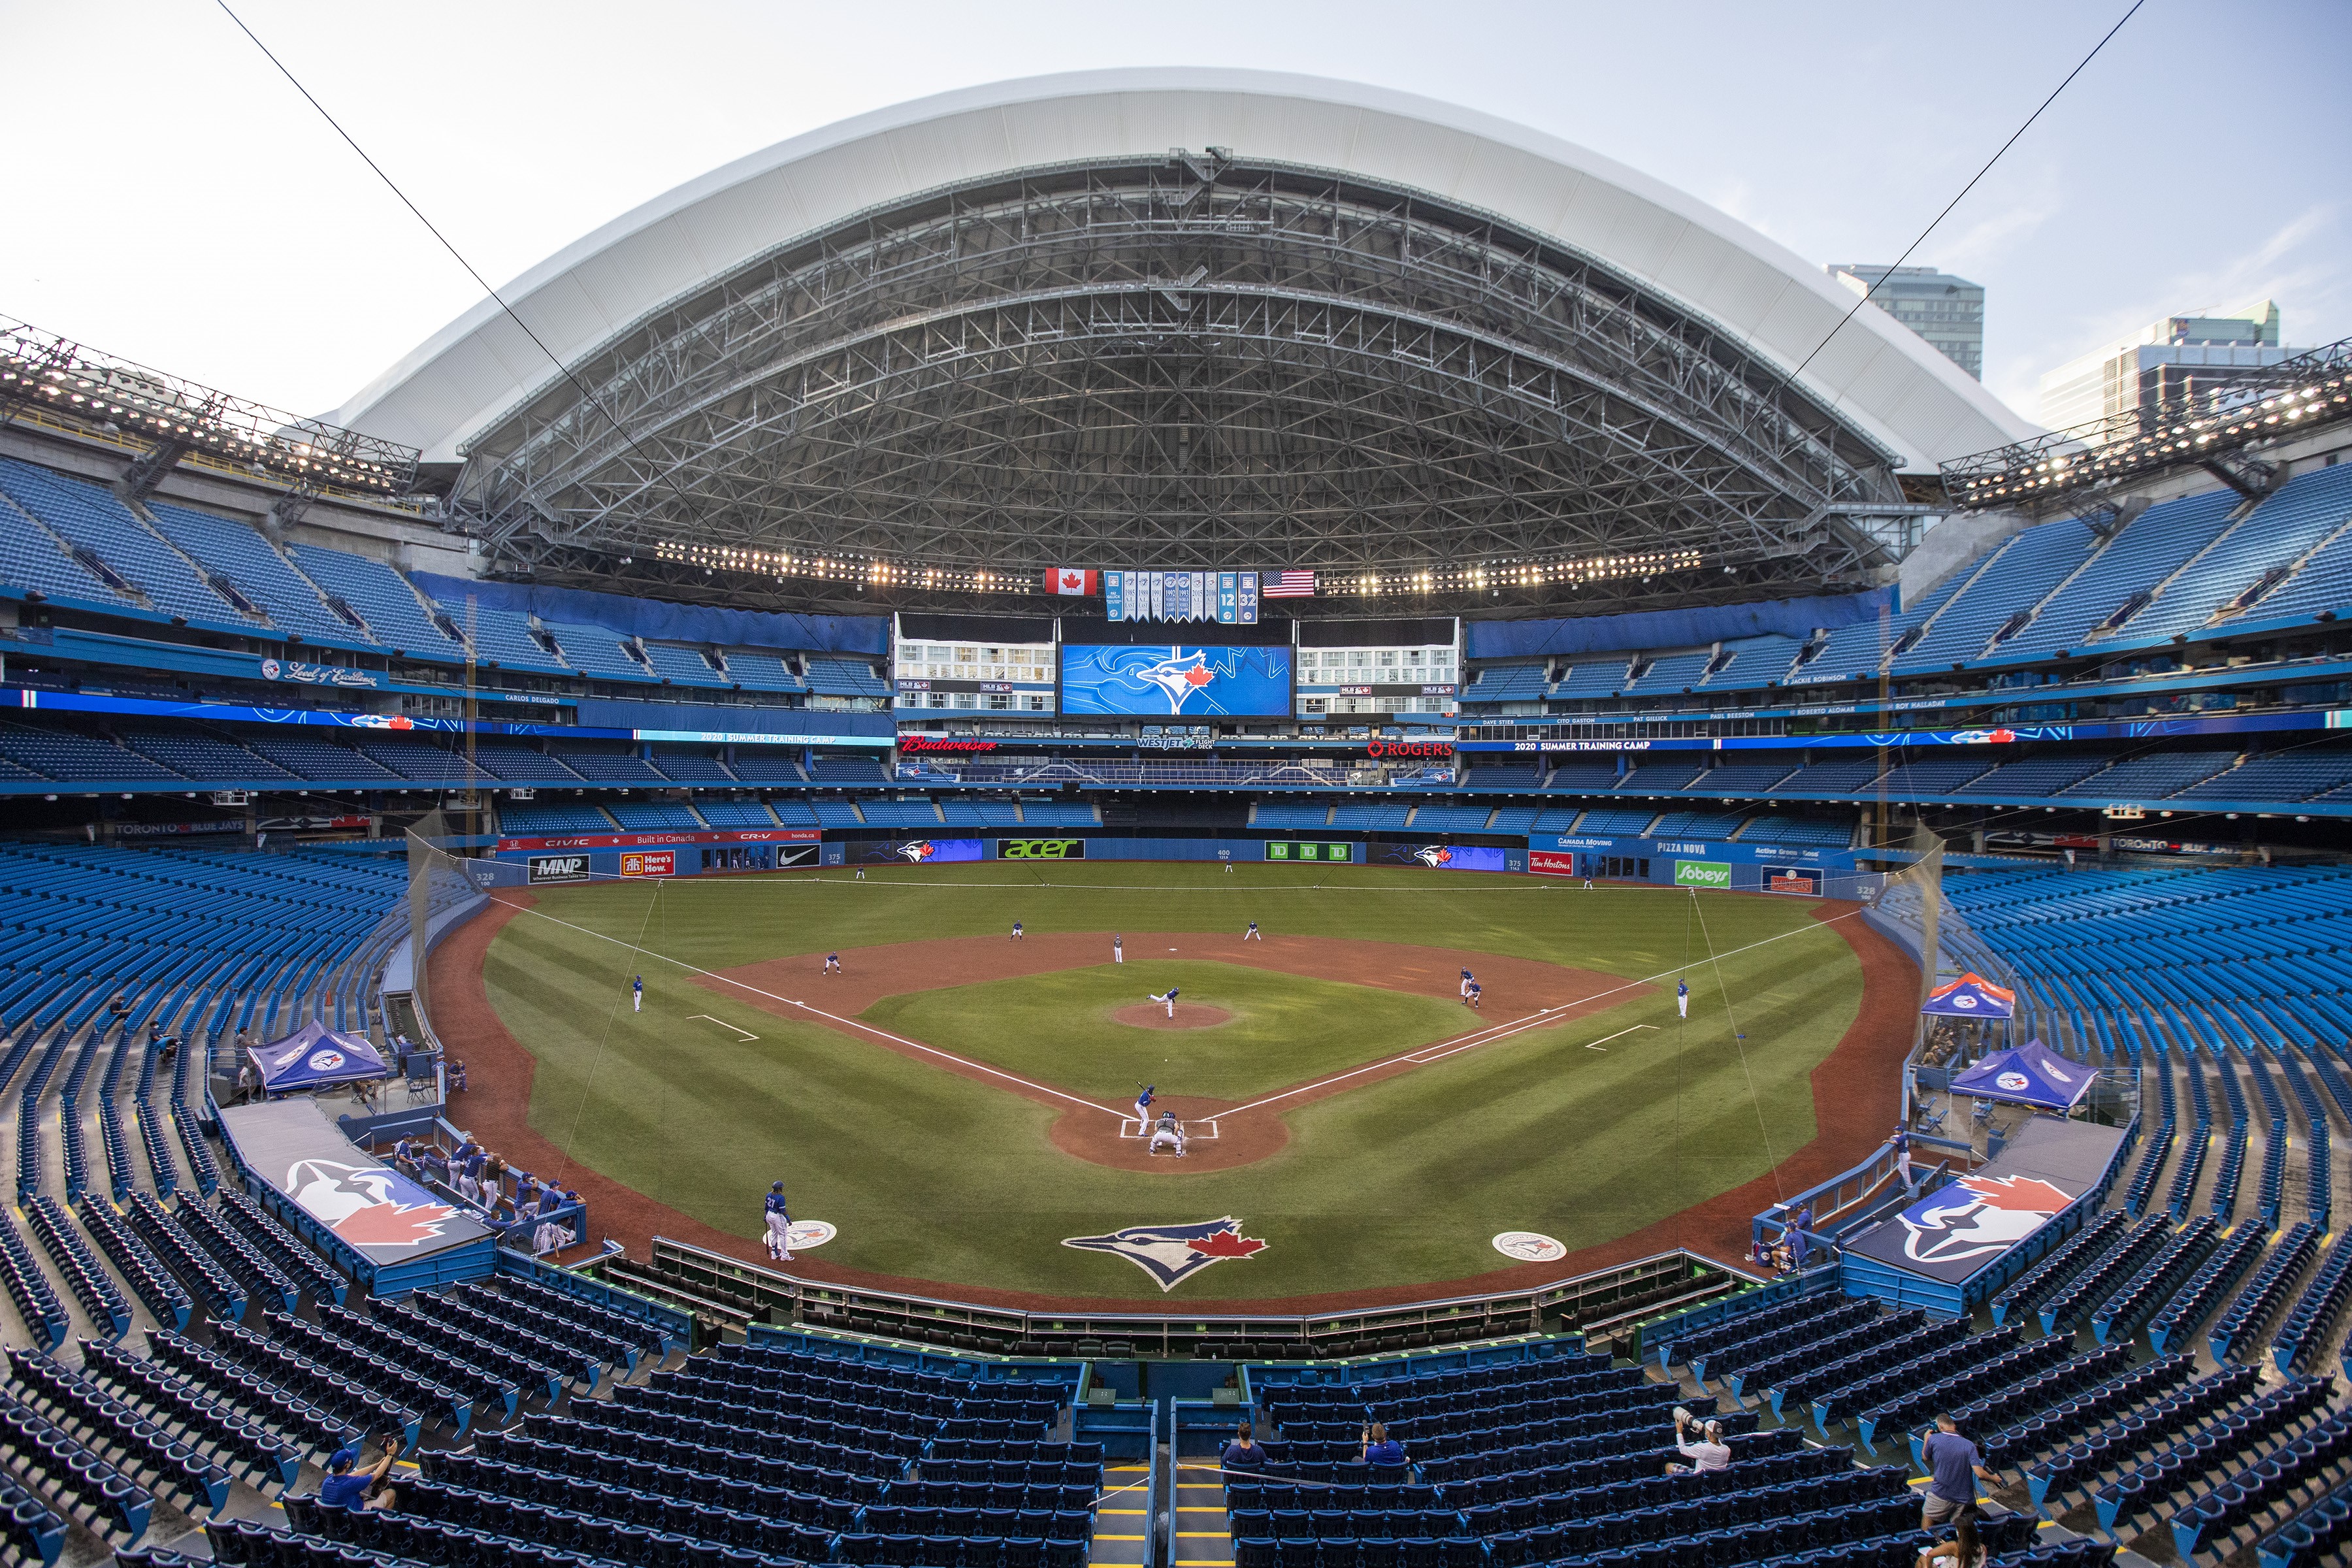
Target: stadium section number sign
{"x": 1290, "y": 850}
{"x": 1702, "y": 874}
{"x": 1040, "y": 848}
{"x": 1174, "y": 680}
{"x": 545, "y": 868}
{"x": 649, "y": 863}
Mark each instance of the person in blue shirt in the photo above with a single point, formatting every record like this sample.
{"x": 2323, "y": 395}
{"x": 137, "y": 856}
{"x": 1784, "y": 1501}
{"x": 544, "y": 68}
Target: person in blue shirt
{"x": 1143, "y": 1105}
{"x": 1901, "y": 1145}
{"x": 637, "y": 995}
{"x": 1682, "y": 998}
{"x": 1476, "y": 997}
{"x": 833, "y": 963}
{"x": 1252, "y": 935}
{"x": 1017, "y": 931}
{"x": 779, "y": 1224}
{"x": 1242, "y": 1453}
{"x": 348, "y": 1486}
{"x": 1380, "y": 1448}
{"x": 1168, "y": 996}
{"x": 1954, "y": 1468}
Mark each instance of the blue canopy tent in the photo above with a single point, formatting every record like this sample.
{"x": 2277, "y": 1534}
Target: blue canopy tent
{"x": 315, "y": 1056}
{"x": 2033, "y": 1074}
{"x": 1970, "y": 996}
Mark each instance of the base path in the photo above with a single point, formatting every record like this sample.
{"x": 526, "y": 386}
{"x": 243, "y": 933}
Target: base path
{"x": 1856, "y": 1088}
{"x": 1521, "y": 994}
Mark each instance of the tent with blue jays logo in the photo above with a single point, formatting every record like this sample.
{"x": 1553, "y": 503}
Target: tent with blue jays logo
{"x": 1970, "y": 996}
{"x": 315, "y": 1056}
{"x": 2033, "y": 1074}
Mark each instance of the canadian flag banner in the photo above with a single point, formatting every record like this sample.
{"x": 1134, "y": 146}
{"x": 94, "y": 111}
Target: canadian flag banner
{"x": 1072, "y": 579}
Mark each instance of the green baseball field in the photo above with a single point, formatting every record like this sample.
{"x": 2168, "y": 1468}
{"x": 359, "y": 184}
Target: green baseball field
{"x": 959, "y": 1106}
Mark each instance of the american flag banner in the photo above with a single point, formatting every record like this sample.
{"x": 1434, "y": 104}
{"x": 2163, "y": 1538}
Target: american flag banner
{"x": 1289, "y": 586}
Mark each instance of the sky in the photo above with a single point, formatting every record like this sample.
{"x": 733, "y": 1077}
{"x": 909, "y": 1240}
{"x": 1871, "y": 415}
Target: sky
{"x": 173, "y": 201}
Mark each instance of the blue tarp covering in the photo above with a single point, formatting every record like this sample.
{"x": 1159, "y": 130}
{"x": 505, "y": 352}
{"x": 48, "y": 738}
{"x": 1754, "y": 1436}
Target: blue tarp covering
{"x": 2033, "y": 1075}
{"x": 314, "y": 1057}
{"x": 1672, "y": 628}
{"x": 665, "y": 622}
{"x": 1970, "y": 996}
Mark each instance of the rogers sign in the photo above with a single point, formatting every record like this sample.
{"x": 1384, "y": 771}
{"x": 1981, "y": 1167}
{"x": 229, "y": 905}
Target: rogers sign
{"x": 1410, "y": 749}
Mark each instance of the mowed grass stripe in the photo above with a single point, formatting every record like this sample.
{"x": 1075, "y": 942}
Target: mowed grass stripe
{"x": 932, "y": 1175}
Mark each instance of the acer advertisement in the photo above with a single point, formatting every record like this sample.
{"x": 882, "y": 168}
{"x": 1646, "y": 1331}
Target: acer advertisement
{"x": 1041, "y": 850}
{"x": 1176, "y": 680}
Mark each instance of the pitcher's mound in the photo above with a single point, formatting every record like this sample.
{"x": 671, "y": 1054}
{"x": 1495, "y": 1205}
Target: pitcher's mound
{"x": 1154, "y": 1015}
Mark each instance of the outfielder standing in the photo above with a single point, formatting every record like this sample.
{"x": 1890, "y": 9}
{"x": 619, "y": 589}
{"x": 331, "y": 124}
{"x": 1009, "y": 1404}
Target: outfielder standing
{"x": 1118, "y": 949}
{"x": 637, "y": 995}
{"x": 1682, "y": 998}
{"x": 779, "y": 1225}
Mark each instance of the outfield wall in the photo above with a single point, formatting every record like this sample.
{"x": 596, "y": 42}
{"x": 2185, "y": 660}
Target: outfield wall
{"x": 1705, "y": 864}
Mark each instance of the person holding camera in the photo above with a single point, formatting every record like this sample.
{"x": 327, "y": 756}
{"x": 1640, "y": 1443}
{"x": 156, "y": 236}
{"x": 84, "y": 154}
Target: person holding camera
{"x": 1699, "y": 1442}
{"x": 346, "y": 1487}
{"x": 1380, "y": 1448}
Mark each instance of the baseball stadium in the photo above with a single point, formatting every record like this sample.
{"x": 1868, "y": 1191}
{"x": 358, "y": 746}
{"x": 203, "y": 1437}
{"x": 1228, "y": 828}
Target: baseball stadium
{"x": 1180, "y": 818}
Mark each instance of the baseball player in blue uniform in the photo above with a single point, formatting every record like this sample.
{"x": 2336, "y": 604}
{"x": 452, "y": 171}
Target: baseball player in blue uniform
{"x": 779, "y": 1224}
{"x": 1252, "y": 935}
{"x": 1017, "y": 931}
{"x": 1466, "y": 978}
{"x": 1143, "y": 1106}
{"x": 1476, "y": 991}
{"x": 833, "y": 963}
{"x": 637, "y": 995}
{"x": 1168, "y": 996}
{"x": 1682, "y": 998}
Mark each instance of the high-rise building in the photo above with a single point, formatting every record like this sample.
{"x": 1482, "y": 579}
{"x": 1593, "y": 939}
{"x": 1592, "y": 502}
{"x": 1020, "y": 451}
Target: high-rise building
{"x": 1948, "y": 311}
{"x": 2171, "y": 358}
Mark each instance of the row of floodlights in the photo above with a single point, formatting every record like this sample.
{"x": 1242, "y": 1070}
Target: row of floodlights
{"x": 872, "y": 571}
{"x": 83, "y": 395}
{"x": 840, "y": 568}
{"x": 2282, "y": 411}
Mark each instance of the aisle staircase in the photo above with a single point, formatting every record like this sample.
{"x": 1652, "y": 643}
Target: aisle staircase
{"x": 1203, "y": 1537}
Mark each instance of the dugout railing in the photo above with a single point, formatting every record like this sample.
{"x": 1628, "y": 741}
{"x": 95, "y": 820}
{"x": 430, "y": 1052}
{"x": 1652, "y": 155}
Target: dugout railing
{"x": 731, "y": 1294}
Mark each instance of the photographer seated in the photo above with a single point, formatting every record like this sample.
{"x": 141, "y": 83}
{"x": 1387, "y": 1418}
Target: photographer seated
{"x": 348, "y": 1488}
{"x": 1699, "y": 1442}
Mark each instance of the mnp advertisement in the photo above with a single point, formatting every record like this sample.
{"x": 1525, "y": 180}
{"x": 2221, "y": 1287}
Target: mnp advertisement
{"x": 1175, "y": 681}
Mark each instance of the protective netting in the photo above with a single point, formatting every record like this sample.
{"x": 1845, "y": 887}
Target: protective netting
{"x": 438, "y": 884}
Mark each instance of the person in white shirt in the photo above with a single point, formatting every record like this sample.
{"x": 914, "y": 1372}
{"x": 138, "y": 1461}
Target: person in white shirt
{"x": 1707, "y": 1452}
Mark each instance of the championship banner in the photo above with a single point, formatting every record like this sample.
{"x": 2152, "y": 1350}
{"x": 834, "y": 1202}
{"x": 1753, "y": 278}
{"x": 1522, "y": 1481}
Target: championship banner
{"x": 1230, "y": 598}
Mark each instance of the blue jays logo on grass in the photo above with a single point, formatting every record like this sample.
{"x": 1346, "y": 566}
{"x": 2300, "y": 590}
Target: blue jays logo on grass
{"x": 1172, "y": 1254}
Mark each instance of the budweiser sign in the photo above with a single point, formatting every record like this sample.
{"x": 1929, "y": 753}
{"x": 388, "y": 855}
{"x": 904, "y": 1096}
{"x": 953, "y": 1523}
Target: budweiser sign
{"x": 908, "y": 744}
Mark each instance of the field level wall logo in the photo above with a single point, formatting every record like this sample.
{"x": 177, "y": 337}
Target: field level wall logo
{"x": 1979, "y": 1215}
{"x": 1702, "y": 874}
{"x": 1040, "y": 848}
{"x": 545, "y": 868}
{"x": 1172, "y": 1254}
{"x": 649, "y": 863}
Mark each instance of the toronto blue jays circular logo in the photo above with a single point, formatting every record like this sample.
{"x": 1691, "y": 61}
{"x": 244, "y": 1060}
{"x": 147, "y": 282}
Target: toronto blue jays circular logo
{"x": 1172, "y": 1254}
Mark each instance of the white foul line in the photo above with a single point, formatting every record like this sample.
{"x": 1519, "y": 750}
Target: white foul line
{"x": 821, "y": 1012}
{"x": 722, "y": 1024}
{"x": 1426, "y": 1054}
{"x": 1596, "y": 1044}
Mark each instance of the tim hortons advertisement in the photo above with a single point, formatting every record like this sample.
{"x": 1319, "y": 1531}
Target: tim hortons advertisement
{"x": 649, "y": 863}
{"x": 1545, "y": 864}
